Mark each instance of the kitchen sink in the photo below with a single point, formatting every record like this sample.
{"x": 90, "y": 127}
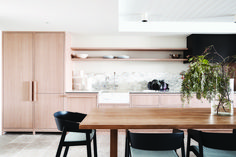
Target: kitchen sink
{"x": 114, "y": 91}
{"x": 113, "y": 96}
{"x": 151, "y": 91}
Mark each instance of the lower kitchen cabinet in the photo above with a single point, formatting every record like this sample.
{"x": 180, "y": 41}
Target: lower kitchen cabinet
{"x": 114, "y": 105}
{"x": 81, "y": 102}
{"x": 170, "y": 101}
{"x": 45, "y": 106}
{"x": 144, "y": 100}
{"x": 234, "y": 100}
{"x": 167, "y": 100}
{"x": 195, "y": 103}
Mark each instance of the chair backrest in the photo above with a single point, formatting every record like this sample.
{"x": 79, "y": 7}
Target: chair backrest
{"x": 224, "y": 141}
{"x": 156, "y": 141}
{"x": 68, "y": 120}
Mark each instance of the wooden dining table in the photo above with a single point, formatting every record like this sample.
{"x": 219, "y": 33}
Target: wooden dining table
{"x": 154, "y": 118}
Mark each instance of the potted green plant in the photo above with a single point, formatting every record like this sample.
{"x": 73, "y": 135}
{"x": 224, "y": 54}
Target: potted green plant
{"x": 208, "y": 76}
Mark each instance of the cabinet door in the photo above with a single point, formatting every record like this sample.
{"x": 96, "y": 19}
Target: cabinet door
{"x": 144, "y": 100}
{"x": 49, "y": 62}
{"x": 17, "y": 80}
{"x": 45, "y": 107}
{"x": 203, "y": 103}
{"x": 114, "y": 105}
{"x": 83, "y": 103}
{"x": 234, "y": 100}
{"x": 170, "y": 101}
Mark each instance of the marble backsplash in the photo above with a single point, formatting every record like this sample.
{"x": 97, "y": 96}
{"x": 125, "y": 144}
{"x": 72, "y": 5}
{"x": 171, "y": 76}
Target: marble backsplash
{"x": 123, "y": 81}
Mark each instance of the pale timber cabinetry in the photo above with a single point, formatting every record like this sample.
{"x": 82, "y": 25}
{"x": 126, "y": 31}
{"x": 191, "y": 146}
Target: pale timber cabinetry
{"x": 49, "y": 76}
{"x": 33, "y": 80}
{"x": 81, "y": 102}
{"x": 170, "y": 101}
{"x": 45, "y": 106}
{"x": 144, "y": 100}
{"x": 49, "y": 62}
{"x": 114, "y": 105}
{"x": 17, "y": 81}
{"x": 167, "y": 100}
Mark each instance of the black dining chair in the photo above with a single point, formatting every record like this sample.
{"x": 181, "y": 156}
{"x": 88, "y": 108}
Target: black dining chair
{"x": 68, "y": 123}
{"x": 154, "y": 144}
{"x": 211, "y": 144}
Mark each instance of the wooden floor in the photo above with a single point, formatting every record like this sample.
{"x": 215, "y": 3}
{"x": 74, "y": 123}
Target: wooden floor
{"x": 45, "y": 145}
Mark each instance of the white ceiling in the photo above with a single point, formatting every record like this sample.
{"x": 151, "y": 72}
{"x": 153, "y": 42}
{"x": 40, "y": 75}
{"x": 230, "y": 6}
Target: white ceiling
{"x": 179, "y": 10}
{"x": 108, "y": 17}
{"x": 78, "y": 16}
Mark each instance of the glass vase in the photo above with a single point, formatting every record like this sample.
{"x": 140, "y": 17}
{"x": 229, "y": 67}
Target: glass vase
{"x": 225, "y": 109}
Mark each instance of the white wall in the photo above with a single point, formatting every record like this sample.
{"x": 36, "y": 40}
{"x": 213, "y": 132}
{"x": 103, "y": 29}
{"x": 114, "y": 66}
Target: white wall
{"x": 130, "y": 42}
{"x": 0, "y": 82}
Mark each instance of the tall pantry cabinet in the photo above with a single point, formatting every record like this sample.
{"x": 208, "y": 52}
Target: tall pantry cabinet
{"x": 17, "y": 81}
{"x": 33, "y": 80}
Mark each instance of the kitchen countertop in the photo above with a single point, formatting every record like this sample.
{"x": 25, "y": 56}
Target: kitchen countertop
{"x": 131, "y": 92}
{"x": 154, "y": 92}
{"x": 120, "y": 96}
{"x": 122, "y": 91}
{"x": 82, "y": 91}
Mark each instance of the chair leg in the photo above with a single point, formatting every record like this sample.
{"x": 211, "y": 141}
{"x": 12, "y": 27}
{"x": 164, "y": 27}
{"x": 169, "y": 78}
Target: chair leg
{"x": 182, "y": 149}
{"x": 126, "y": 145}
{"x": 95, "y": 144}
{"x": 188, "y": 147}
{"x": 66, "y": 151}
{"x": 61, "y": 143}
{"x": 89, "y": 154}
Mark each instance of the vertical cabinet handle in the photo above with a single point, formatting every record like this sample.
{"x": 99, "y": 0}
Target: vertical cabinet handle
{"x": 30, "y": 90}
{"x": 35, "y": 90}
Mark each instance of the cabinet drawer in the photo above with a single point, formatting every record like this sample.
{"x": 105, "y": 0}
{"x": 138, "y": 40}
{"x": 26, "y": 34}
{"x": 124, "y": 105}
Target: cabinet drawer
{"x": 144, "y": 100}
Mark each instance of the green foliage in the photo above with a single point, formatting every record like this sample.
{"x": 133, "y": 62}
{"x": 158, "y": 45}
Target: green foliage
{"x": 207, "y": 80}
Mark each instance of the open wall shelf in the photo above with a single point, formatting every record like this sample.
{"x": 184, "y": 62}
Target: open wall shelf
{"x": 127, "y": 49}
{"x": 130, "y": 59}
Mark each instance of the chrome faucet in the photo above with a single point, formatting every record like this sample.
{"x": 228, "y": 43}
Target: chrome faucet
{"x": 115, "y": 85}
{"x": 106, "y": 81}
